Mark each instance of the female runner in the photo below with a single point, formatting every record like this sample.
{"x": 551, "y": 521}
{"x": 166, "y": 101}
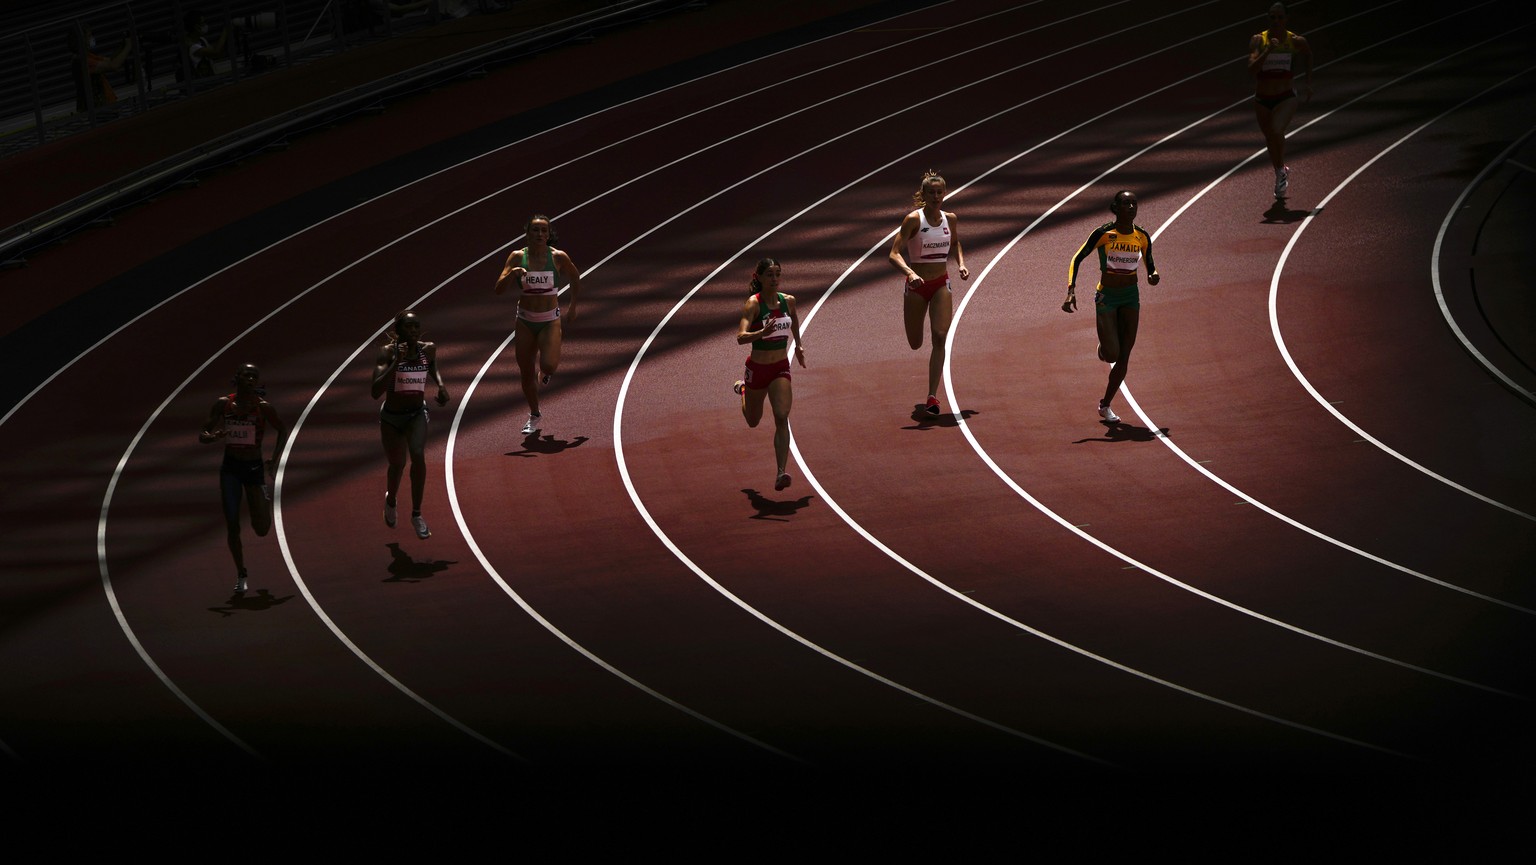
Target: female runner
{"x": 928, "y": 238}
{"x": 1272, "y": 56}
{"x": 538, "y": 268}
{"x": 240, "y": 420}
{"x": 768, "y": 321}
{"x": 1121, "y": 245}
{"x": 400, "y": 376}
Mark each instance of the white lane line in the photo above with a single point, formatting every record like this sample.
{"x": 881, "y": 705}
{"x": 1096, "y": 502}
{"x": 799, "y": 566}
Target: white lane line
{"x": 1434, "y": 267}
{"x": 1274, "y": 318}
{"x": 551, "y": 627}
{"x": 618, "y": 414}
{"x": 965, "y": 598}
{"x": 1197, "y": 464}
{"x": 986, "y": 458}
{"x": 278, "y": 522}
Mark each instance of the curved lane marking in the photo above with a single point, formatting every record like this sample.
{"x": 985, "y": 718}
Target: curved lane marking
{"x": 1434, "y": 271}
{"x": 278, "y": 522}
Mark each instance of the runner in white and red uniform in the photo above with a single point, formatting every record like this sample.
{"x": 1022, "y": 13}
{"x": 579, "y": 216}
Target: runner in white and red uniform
{"x": 929, "y": 237}
{"x": 240, "y": 421}
{"x": 769, "y": 321}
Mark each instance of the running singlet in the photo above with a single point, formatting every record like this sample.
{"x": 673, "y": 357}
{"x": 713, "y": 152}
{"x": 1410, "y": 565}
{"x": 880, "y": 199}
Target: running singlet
{"x": 1118, "y": 253}
{"x": 777, "y": 320}
{"x": 242, "y": 428}
{"x": 411, "y": 375}
{"x": 1278, "y": 62}
{"x": 540, "y": 281}
{"x": 930, "y": 243}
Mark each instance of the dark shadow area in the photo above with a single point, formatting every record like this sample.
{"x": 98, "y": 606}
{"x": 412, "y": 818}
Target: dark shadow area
{"x": 924, "y": 420}
{"x": 404, "y": 569}
{"x": 1280, "y": 214}
{"x": 261, "y": 601}
{"x": 1124, "y": 432}
{"x": 777, "y": 511}
{"x": 534, "y": 444}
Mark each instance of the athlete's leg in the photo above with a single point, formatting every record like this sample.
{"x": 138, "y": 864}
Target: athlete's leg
{"x": 549, "y": 350}
{"x": 395, "y": 451}
{"x": 526, "y": 346}
{"x": 913, "y": 309}
{"x": 941, "y": 311}
{"x": 229, "y": 492}
{"x": 781, "y": 397}
{"x": 260, "y": 507}
{"x": 416, "y": 445}
{"x": 1126, "y": 320}
{"x": 752, "y": 405}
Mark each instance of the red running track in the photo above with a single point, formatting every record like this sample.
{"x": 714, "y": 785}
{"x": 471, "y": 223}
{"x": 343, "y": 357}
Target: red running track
{"x": 1240, "y": 577}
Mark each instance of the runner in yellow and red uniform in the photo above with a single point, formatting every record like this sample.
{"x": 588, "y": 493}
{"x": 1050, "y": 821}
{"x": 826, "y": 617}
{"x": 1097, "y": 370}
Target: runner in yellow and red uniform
{"x": 1272, "y": 59}
{"x": 1122, "y": 245}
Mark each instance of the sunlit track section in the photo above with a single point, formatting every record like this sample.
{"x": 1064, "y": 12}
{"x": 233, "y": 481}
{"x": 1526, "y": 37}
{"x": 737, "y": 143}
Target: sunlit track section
{"x": 1274, "y": 318}
{"x": 986, "y": 458}
{"x": 944, "y": 587}
{"x": 533, "y": 613}
{"x": 1197, "y": 466}
{"x": 426, "y": 177}
{"x": 1434, "y": 272}
{"x": 655, "y": 528}
{"x": 645, "y": 514}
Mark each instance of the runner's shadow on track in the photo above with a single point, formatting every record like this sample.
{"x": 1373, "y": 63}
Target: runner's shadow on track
{"x": 1124, "y": 432}
{"x": 404, "y": 569}
{"x": 257, "y": 603}
{"x": 534, "y": 444}
{"x": 930, "y": 421}
{"x": 1279, "y": 214}
{"x": 775, "y": 511}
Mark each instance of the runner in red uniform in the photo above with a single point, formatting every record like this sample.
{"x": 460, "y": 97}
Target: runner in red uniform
{"x": 928, "y": 238}
{"x": 768, "y": 321}
{"x": 537, "y": 270}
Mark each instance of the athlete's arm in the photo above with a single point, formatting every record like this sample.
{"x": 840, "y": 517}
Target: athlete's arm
{"x": 1257, "y": 49}
{"x": 568, "y": 269}
{"x": 270, "y": 413}
{"x": 748, "y": 313}
{"x": 213, "y": 428}
{"x": 794, "y": 327}
{"x": 1305, "y": 52}
{"x": 1152, "y": 275}
{"x": 384, "y": 369}
{"x": 430, "y": 350}
{"x": 954, "y": 245}
{"x": 514, "y": 270}
{"x": 899, "y": 243}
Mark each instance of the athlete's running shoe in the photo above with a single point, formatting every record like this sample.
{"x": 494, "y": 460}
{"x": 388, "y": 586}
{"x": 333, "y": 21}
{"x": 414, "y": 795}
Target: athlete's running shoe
{"x": 240, "y": 584}
{"x": 1108, "y": 414}
{"x": 420, "y": 525}
{"x": 783, "y": 481}
{"x": 389, "y": 512}
{"x": 544, "y": 379}
{"x": 933, "y": 405}
{"x": 1282, "y": 182}
{"x": 532, "y": 426}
